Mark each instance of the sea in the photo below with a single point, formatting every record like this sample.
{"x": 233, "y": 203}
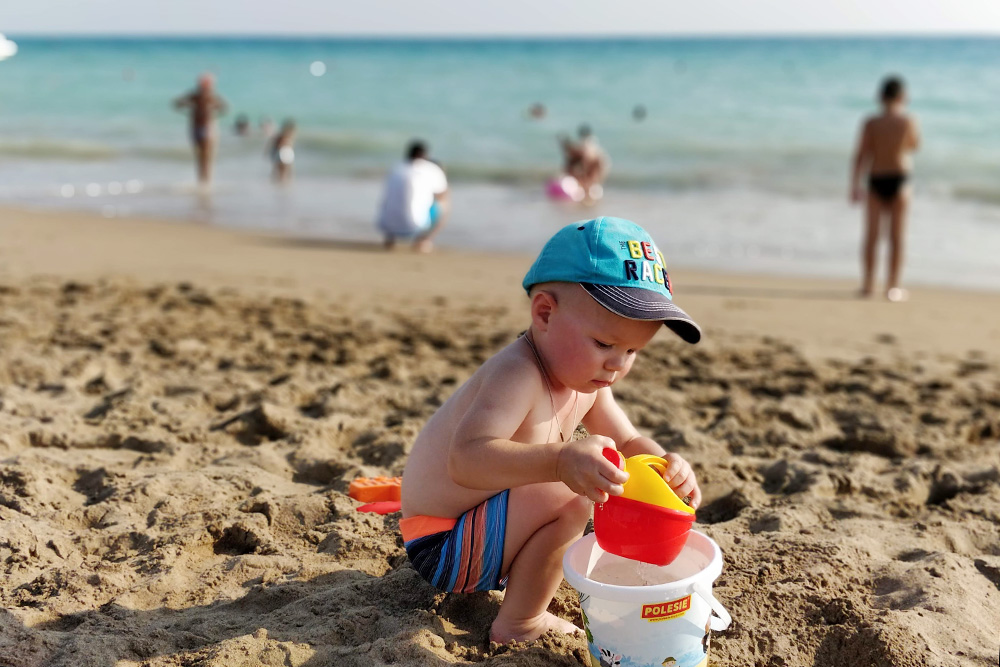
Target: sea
{"x": 734, "y": 153}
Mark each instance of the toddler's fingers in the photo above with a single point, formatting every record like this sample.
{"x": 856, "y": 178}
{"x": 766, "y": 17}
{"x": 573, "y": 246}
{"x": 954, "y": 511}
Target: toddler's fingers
{"x": 615, "y": 475}
{"x": 695, "y": 497}
{"x": 686, "y": 487}
{"x": 609, "y": 486}
{"x": 598, "y": 496}
{"x": 675, "y": 474}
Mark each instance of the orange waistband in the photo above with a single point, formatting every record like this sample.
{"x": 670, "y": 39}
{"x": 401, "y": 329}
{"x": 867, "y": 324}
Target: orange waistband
{"x": 413, "y": 527}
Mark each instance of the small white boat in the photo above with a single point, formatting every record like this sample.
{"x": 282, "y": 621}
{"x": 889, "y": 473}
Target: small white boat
{"x": 7, "y": 47}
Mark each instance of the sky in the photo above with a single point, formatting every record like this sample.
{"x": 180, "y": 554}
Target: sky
{"x": 500, "y": 17}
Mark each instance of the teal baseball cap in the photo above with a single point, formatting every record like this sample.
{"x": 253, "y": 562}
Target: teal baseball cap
{"x": 620, "y": 266}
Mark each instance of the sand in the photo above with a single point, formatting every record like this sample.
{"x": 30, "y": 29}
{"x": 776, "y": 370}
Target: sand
{"x": 182, "y": 409}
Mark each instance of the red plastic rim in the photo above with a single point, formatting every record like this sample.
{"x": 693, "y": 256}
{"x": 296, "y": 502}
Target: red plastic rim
{"x": 641, "y": 531}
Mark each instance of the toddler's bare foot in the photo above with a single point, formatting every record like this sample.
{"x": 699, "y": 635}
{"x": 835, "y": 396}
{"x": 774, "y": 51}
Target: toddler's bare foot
{"x": 525, "y": 631}
{"x": 423, "y": 245}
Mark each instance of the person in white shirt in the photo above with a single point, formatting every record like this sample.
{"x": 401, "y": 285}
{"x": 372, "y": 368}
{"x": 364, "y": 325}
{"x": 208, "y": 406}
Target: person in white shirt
{"x": 415, "y": 203}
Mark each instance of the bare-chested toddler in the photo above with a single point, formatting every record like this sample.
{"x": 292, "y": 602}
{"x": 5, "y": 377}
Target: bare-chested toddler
{"x": 496, "y": 488}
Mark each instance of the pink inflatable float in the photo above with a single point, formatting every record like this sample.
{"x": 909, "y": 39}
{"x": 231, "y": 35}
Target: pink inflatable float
{"x": 567, "y": 188}
{"x": 564, "y": 188}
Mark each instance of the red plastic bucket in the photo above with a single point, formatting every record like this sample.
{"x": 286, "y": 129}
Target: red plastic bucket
{"x": 641, "y": 531}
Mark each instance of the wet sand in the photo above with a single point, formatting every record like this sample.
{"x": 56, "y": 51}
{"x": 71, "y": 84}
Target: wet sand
{"x": 182, "y": 409}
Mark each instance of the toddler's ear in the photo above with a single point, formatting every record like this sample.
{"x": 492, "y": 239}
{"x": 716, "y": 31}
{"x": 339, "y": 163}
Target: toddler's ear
{"x": 542, "y": 305}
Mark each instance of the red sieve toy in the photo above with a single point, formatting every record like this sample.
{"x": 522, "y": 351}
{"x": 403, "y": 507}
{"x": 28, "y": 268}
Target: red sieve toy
{"x": 638, "y": 525}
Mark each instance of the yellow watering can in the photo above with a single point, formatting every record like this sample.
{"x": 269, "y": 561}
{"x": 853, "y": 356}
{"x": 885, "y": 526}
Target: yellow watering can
{"x": 646, "y": 484}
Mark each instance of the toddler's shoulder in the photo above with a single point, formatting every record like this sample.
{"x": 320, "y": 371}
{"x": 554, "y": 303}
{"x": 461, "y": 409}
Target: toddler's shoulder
{"x": 512, "y": 365}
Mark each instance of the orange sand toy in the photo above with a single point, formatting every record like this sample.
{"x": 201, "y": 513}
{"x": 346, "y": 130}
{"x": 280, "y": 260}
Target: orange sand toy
{"x": 375, "y": 489}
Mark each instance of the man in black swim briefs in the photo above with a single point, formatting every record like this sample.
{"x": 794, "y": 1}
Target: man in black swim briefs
{"x": 883, "y": 151}
{"x": 886, "y": 186}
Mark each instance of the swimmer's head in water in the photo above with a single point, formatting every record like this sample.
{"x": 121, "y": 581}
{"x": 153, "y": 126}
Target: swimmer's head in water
{"x": 584, "y": 131}
{"x": 892, "y": 89}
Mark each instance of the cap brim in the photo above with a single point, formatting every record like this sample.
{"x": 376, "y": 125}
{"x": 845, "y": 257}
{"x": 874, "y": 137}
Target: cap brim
{"x": 636, "y": 303}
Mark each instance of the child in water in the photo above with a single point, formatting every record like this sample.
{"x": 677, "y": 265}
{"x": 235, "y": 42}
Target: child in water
{"x": 283, "y": 152}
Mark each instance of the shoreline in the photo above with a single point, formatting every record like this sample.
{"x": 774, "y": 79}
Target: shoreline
{"x": 731, "y": 231}
{"x": 820, "y": 315}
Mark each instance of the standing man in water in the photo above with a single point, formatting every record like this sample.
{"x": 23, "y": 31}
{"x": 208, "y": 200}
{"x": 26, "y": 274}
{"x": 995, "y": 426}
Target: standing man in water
{"x": 883, "y": 152}
{"x": 204, "y": 104}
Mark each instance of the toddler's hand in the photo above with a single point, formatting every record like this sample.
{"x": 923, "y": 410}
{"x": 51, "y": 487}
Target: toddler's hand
{"x": 582, "y": 467}
{"x": 681, "y": 479}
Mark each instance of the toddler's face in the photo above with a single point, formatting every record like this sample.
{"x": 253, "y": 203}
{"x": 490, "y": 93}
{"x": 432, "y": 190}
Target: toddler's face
{"x": 592, "y": 347}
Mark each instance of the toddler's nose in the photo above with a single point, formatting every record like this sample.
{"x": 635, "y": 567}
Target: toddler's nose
{"x": 616, "y": 362}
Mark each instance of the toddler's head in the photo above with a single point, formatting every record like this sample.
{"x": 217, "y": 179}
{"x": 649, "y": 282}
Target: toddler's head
{"x": 617, "y": 263}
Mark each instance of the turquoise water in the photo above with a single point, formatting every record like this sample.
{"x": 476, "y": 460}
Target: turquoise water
{"x": 749, "y": 138}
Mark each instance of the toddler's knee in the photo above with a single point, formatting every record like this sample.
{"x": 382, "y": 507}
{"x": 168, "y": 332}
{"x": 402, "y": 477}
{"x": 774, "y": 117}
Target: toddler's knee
{"x": 577, "y": 511}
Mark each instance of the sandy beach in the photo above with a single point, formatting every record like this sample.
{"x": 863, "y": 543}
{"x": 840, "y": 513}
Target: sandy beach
{"x": 182, "y": 409}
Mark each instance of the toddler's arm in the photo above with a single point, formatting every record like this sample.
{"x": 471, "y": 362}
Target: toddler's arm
{"x": 607, "y": 418}
{"x": 483, "y": 455}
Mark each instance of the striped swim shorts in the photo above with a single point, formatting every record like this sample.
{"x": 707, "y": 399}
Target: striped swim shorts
{"x": 462, "y": 558}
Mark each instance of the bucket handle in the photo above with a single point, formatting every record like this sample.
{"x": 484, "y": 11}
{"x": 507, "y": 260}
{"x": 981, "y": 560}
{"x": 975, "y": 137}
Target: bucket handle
{"x": 721, "y": 618}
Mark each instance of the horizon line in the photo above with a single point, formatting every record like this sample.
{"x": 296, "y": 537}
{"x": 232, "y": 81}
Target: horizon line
{"x": 512, "y": 36}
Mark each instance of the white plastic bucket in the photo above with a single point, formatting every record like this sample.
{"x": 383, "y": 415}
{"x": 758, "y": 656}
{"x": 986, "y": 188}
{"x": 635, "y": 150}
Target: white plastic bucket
{"x": 642, "y": 615}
